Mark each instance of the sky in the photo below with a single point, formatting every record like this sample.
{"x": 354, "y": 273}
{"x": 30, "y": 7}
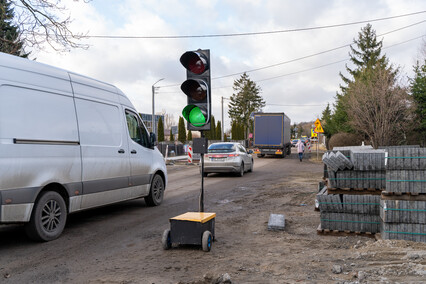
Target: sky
{"x": 302, "y": 67}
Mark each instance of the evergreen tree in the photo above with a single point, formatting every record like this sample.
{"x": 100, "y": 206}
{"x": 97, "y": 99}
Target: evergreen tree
{"x": 326, "y": 121}
{"x": 189, "y": 135}
{"x": 172, "y": 138}
{"x": 181, "y": 130}
{"x": 418, "y": 92}
{"x": 10, "y": 41}
{"x": 160, "y": 128}
{"x": 218, "y": 130}
{"x": 245, "y": 101}
{"x": 234, "y": 129}
{"x": 365, "y": 55}
{"x": 212, "y": 131}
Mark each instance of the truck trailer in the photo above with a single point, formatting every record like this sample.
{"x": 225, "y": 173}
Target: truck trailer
{"x": 271, "y": 134}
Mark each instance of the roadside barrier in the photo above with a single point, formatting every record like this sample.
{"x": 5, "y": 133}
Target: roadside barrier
{"x": 190, "y": 155}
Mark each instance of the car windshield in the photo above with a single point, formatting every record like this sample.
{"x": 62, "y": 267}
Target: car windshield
{"x": 221, "y": 148}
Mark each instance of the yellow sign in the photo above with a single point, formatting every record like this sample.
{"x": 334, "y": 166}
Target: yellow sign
{"x": 317, "y": 122}
{"x": 319, "y": 129}
{"x": 313, "y": 134}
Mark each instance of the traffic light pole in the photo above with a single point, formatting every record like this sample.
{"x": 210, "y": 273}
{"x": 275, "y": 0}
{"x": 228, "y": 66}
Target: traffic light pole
{"x": 201, "y": 209}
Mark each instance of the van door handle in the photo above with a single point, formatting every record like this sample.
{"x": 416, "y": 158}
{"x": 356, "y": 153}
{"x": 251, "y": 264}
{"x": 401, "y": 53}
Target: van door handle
{"x": 134, "y": 152}
{"x": 121, "y": 151}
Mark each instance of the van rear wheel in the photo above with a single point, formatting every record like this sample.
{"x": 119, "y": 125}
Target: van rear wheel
{"x": 156, "y": 192}
{"x": 48, "y": 218}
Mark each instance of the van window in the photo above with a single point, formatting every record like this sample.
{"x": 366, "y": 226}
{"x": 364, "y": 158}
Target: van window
{"x": 99, "y": 123}
{"x": 36, "y": 115}
{"x": 137, "y": 130}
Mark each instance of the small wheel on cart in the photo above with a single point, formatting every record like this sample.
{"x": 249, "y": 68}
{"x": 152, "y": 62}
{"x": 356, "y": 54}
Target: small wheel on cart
{"x": 166, "y": 240}
{"x": 207, "y": 241}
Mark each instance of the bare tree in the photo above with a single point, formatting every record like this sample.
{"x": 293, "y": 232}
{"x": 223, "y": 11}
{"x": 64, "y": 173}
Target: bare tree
{"x": 379, "y": 107}
{"x": 46, "y": 21}
{"x": 169, "y": 120}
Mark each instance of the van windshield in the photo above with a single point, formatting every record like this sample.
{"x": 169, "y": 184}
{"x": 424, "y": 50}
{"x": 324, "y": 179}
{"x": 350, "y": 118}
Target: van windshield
{"x": 221, "y": 148}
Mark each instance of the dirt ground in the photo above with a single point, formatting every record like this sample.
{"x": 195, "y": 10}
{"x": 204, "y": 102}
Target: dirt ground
{"x": 122, "y": 243}
{"x": 298, "y": 254}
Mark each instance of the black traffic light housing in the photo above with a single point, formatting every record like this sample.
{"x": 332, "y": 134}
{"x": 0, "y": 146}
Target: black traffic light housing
{"x": 197, "y": 89}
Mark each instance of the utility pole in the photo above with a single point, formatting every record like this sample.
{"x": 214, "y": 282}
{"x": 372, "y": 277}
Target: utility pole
{"x": 153, "y": 109}
{"x": 222, "y": 125}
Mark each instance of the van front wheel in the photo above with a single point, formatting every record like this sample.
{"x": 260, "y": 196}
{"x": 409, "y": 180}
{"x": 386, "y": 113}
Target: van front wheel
{"x": 156, "y": 192}
{"x": 48, "y": 218}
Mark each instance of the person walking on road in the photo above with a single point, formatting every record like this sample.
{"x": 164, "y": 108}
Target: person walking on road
{"x": 300, "y": 148}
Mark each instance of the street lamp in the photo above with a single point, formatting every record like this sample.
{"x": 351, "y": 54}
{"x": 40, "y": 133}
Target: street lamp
{"x": 153, "y": 113}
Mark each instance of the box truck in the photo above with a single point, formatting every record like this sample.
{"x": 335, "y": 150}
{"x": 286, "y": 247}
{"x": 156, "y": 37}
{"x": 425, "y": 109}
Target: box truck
{"x": 271, "y": 134}
{"x": 69, "y": 143}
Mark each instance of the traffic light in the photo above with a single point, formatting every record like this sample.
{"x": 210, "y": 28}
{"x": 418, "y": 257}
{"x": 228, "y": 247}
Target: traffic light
{"x": 197, "y": 89}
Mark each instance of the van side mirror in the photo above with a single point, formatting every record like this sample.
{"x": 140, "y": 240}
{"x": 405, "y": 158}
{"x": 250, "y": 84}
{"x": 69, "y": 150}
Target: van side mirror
{"x": 152, "y": 139}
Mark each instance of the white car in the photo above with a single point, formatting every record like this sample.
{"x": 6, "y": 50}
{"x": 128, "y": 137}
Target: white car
{"x": 231, "y": 157}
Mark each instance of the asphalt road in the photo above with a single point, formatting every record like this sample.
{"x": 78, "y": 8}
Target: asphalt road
{"x": 100, "y": 243}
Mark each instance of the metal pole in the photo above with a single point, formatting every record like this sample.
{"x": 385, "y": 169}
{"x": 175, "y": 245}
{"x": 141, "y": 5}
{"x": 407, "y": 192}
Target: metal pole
{"x": 153, "y": 108}
{"x": 223, "y": 122}
{"x": 202, "y": 179}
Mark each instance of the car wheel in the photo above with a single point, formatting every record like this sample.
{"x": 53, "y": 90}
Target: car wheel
{"x": 252, "y": 165}
{"x": 48, "y": 218}
{"x": 241, "y": 173}
{"x": 156, "y": 193}
{"x": 207, "y": 241}
{"x": 166, "y": 240}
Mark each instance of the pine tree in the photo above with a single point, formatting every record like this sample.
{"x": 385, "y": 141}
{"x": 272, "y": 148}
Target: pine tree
{"x": 218, "y": 130}
{"x": 181, "y": 131}
{"x": 366, "y": 55}
{"x": 418, "y": 92}
{"x": 245, "y": 101}
{"x": 189, "y": 135}
{"x": 160, "y": 128}
{"x": 10, "y": 41}
{"x": 172, "y": 138}
{"x": 212, "y": 132}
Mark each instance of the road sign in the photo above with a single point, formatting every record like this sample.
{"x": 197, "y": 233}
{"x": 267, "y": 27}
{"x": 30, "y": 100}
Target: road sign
{"x": 319, "y": 129}
{"x": 317, "y": 122}
{"x": 313, "y": 134}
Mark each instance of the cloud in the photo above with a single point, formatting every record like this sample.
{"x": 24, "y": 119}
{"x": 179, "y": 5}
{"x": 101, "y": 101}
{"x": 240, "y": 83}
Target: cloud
{"x": 134, "y": 65}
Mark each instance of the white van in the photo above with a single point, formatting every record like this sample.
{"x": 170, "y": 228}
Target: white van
{"x": 69, "y": 143}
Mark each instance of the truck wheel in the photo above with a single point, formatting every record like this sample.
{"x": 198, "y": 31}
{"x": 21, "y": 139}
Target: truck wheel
{"x": 48, "y": 218}
{"x": 241, "y": 173}
{"x": 156, "y": 192}
{"x": 166, "y": 240}
{"x": 207, "y": 241}
{"x": 288, "y": 151}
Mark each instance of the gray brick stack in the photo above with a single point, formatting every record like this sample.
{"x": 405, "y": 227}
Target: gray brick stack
{"x": 405, "y": 174}
{"x": 356, "y": 167}
{"x": 355, "y": 213}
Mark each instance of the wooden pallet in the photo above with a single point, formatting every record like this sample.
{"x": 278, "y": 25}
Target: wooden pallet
{"x": 409, "y": 196}
{"x": 338, "y": 233}
{"x": 355, "y": 191}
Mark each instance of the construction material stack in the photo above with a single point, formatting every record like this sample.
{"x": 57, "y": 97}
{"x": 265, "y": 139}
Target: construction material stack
{"x": 403, "y": 204}
{"x": 375, "y": 190}
{"x": 351, "y": 202}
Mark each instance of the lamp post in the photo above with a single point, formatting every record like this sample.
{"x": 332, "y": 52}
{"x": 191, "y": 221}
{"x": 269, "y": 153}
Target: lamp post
{"x": 153, "y": 111}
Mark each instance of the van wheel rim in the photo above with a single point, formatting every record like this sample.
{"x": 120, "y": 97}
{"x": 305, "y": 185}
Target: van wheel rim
{"x": 51, "y": 216}
{"x": 157, "y": 189}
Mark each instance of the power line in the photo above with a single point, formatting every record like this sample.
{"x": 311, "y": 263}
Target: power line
{"x": 303, "y": 57}
{"x": 251, "y": 33}
{"x": 309, "y": 69}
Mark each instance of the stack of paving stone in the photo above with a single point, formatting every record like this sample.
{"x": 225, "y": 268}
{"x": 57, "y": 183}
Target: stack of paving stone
{"x": 345, "y": 212}
{"x": 403, "y": 208}
{"x": 356, "y": 167}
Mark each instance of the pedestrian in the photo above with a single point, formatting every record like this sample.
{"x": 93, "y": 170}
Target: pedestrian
{"x": 300, "y": 148}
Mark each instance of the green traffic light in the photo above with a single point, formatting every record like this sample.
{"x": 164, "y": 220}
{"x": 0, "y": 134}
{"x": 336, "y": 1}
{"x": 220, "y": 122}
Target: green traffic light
{"x": 194, "y": 115}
